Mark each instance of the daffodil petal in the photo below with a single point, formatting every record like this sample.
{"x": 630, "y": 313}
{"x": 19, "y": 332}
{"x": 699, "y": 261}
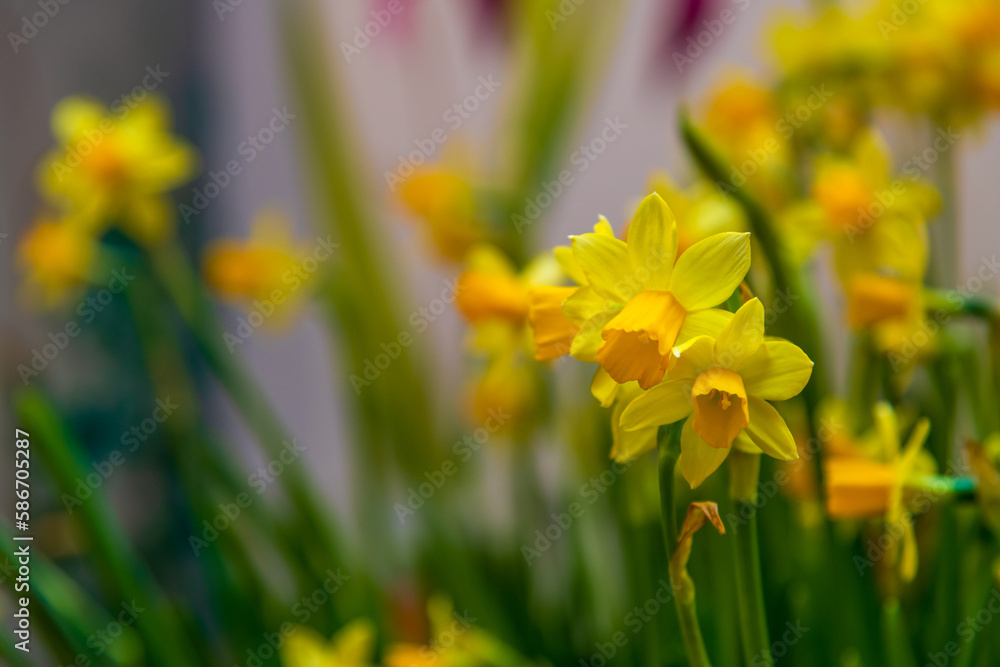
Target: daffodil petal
{"x": 605, "y": 262}
{"x": 698, "y": 459}
{"x": 710, "y": 270}
{"x": 583, "y": 304}
{"x": 708, "y": 322}
{"x": 569, "y": 265}
{"x": 628, "y": 445}
{"x": 585, "y": 344}
{"x": 652, "y": 243}
{"x": 743, "y": 336}
{"x": 691, "y": 359}
{"x": 604, "y": 388}
{"x": 603, "y": 227}
{"x": 776, "y": 372}
{"x": 665, "y": 403}
{"x": 768, "y": 431}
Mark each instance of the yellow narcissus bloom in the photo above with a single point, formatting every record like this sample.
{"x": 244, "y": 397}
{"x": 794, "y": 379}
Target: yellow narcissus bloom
{"x": 634, "y": 304}
{"x": 893, "y": 310}
{"x": 946, "y": 59}
{"x": 446, "y": 203}
{"x": 724, "y": 385}
{"x": 264, "y": 266}
{"x": 455, "y": 642}
{"x": 57, "y": 258}
{"x": 116, "y": 169}
{"x": 352, "y": 646}
{"x": 860, "y": 487}
{"x": 876, "y": 223}
{"x": 493, "y": 297}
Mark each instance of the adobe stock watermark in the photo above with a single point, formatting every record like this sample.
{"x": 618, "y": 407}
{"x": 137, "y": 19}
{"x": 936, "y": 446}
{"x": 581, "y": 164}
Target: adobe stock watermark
{"x": 779, "y": 648}
{"x": 967, "y": 631}
{"x": 916, "y": 341}
{"x": 259, "y": 481}
{"x": 463, "y": 450}
{"x": 30, "y": 25}
{"x": 454, "y": 117}
{"x": 292, "y": 280}
{"x": 101, "y": 640}
{"x": 919, "y": 503}
{"x": 365, "y": 34}
{"x": 302, "y": 611}
{"x": 713, "y": 30}
{"x": 131, "y": 440}
{"x": 247, "y": 151}
{"x": 590, "y": 492}
{"x": 785, "y": 127}
{"x": 581, "y": 159}
{"x": 87, "y": 311}
{"x": 635, "y": 620}
{"x": 901, "y": 13}
{"x": 562, "y": 13}
{"x": 420, "y": 320}
{"x": 913, "y": 168}
{"x": 120, "y": 107}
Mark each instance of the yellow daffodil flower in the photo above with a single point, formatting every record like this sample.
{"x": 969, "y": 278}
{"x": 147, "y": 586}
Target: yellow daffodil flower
{"x": 876, "y": 223}
{"x": 116, "y": 168}
{"x": 862, "y": 487}
{"x": 266, "y": 266}
{"x": 352, "y": 646}
{"x": 724, "y": 385}
{"x": 633, "y": 304}
{"x": 455, "y": 642}
{"x": 945, "y": 60}
{"x": 493, "y": 297}
{"x": 57, "y": 258}
{"x": 446, "y": 204}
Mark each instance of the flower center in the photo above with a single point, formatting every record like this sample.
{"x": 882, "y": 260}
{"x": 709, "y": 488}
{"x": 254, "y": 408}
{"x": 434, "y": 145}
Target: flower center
{"x": 720, "y": 407}
{"x": 638, "y": 340}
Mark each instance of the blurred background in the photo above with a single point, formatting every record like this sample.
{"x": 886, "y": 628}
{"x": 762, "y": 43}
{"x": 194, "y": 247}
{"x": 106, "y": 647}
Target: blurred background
{"x": 224, "y": 67}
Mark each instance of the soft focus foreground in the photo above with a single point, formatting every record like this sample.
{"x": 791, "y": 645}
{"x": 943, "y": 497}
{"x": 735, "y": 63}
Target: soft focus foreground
{"x": 748, "y": 414}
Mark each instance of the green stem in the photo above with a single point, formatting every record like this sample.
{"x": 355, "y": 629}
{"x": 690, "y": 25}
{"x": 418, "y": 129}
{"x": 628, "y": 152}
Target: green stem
{"x": 744, "y": 470}
{"x": 897, "y": 648}
{"x": 669, "y": 445}
{"x": 125, "y": 575}
{"x": 181, "y": 284}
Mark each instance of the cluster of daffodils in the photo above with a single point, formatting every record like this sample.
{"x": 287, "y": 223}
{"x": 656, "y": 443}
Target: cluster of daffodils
{"x": 667, "y": 353}
{"x": 110, "y": 170}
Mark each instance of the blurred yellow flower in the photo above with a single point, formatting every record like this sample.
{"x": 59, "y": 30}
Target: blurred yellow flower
{"x": 892, "y": 308}
{"x": 876, "y": 223}
{"x": 861, "y": 486}
{"x": 725, "y": 384}
{"x": 57, "y": 258}
{"x": 352, "y": 646}
{"x": 446, "y": 203}
{"x": 269, "y": 265}
{"x": 116, "y": 169}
